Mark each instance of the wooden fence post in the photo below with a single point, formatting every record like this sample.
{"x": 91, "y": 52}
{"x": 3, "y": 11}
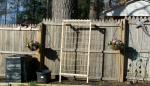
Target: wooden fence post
{"x": 122, "y": 56}
{"x": 41, "y": 39}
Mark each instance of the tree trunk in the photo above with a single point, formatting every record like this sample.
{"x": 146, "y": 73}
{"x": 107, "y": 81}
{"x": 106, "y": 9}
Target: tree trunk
{"x": 94, "y": 9}
{"x": 64, "y": 9}
{"x": 49, "y": 4}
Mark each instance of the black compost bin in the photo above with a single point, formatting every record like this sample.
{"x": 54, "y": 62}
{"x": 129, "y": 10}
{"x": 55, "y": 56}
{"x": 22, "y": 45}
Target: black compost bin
{"x": 43, "y": 76}
{"x": 18, "y": 68}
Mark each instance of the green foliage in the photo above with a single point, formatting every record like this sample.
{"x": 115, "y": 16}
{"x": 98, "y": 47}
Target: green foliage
{"x": 30, "y": 84}
{"x": 36, "y": 10}
{"x": 1, "y": 1}
{"x": 34, "y": 13}
{"x": 33, "y": 84}
{"x": 21, "y": 85}
{"x": 83, "y": 9}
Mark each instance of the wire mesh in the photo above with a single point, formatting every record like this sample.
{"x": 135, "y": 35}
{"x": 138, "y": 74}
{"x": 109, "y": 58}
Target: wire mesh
{"x": 75, "y": 48}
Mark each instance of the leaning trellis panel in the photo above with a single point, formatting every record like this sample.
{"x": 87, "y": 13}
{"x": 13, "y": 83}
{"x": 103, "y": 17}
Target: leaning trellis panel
{"x": 75, "y": 48}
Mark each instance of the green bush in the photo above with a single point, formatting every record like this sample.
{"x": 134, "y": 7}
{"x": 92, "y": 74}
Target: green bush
{"x": 21, "y": 85}
{"x": 32, "y": 84}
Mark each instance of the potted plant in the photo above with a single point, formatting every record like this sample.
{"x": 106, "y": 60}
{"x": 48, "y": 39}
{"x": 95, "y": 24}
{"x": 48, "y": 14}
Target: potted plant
{"x": 33, "y": 45}
{"x": 116, "y": 44}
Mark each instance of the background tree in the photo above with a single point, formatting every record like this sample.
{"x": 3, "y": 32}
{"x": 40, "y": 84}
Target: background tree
{"x": 96, "y": 6}
{"x": 49, "y": 7}
{"x": 94, "y": 9}
{"x": 83, "y": 9}
{"x": 35, "y": 11}
{"x": 64, "y": 9}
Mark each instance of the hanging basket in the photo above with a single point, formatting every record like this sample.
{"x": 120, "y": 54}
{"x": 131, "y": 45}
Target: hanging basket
{"x": 33, "y": 45}
{"x": 116, "y": 44}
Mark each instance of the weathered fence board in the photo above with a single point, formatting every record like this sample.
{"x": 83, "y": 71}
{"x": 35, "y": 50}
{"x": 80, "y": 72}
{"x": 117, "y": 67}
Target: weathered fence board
{"x": 138, "y": 60}
{"x": 100, "y": 67}
{"x": 13, "y": 40}
{"x": 105, "y": 63}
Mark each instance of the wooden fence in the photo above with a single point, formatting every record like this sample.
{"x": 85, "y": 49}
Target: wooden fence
{"x": 138, "y": 41}
{"x": 105, "y": 63}
{"x": 13, "y": 40}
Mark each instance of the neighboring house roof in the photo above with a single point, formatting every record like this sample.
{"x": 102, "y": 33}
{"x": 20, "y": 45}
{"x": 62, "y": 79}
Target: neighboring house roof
{"x": 133, "y": 8}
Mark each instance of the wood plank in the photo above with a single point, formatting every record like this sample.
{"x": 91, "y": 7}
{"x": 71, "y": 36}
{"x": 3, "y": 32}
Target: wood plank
{"x": 72, "y": 74}
{"x": 109, "y": 78}
{"x": 123, "y": 31}
{"x": 19, "y": 28}
{"x": 17, "y": 52}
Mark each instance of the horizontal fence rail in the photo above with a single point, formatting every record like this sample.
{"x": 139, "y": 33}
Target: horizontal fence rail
{"x": 104, "y": 64}
{"x": 13, "y": 40}
{"x": 100, "y": 54}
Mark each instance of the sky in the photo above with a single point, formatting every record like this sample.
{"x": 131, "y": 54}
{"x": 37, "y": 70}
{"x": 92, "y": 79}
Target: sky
{"x": 10, "y": 17}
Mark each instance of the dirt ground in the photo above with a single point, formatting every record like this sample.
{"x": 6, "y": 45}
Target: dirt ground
{"x": 96, "y": 83}
{"x": 107, "y": 83}
{"x": 93, "y": 83}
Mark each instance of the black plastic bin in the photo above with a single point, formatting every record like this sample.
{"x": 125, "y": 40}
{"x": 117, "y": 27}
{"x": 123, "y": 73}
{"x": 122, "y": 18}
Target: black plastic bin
{"x": 18, "y": 68}
{"x": 43, "y": 76}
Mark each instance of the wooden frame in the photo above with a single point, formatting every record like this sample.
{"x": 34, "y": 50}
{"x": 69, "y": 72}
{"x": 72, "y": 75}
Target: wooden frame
{"x": 61, "y": 52}
{"x": 20, "y": 28}
{"x": 121, "y": 58}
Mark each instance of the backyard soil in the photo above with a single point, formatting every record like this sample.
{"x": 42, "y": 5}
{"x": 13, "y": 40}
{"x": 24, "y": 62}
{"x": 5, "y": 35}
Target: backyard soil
{"x": 105, "y": 83}
{"x": 73, "y": 82}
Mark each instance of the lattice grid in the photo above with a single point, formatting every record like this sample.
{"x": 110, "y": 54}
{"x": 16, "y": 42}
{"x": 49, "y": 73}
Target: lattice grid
{"x": 75, "y": 48}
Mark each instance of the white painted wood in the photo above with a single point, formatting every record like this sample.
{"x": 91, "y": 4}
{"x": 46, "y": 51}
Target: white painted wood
{"x": 66, "y": 45}
{"x": 88, "y": 58}
{"x": 17, "y": 52}
{"x": 70, "y": 74}
{"x": 62, "y": 36}
{"x": 19, "y": 28}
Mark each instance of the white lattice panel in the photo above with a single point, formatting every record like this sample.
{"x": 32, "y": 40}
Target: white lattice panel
{"x": 138, "y": 69}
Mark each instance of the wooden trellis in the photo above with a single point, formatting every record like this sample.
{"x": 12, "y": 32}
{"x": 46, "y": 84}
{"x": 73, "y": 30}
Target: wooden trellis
{"x": 74, "y": 50}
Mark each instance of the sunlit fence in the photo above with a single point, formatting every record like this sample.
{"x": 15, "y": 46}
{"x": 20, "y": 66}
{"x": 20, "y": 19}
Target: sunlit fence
{"x": 105, "y": 63}
{"x": 13, "y": 40}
